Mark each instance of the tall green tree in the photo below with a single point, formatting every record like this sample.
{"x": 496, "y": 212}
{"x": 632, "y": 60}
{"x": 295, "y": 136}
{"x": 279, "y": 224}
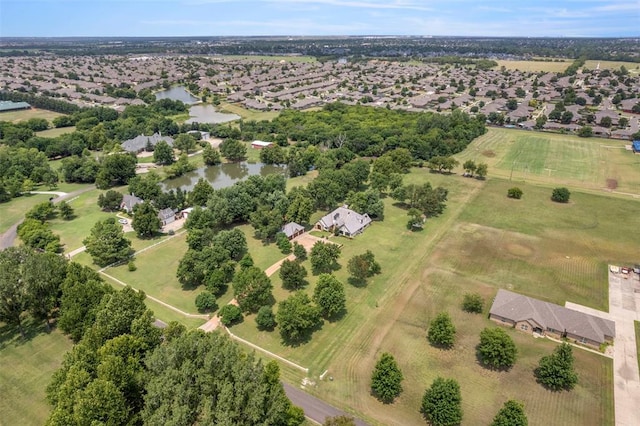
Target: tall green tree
{"x": 201, "y": 192}
{"x": 43, "y": 276}
{"x": 107, "y": 244}
{"x": 363, "y": 266}
{"x": 293, "y": 275}
{"x": 184, "y": 142}
{"x": 556, "y": 371}
{"x": 442, "y": 332}
{"x": 210, "y": 155}
{"x": 252, "y": 289}
{"x": 511, "y": 414}
{"x": 386, "y": 379}
{"x": 110, "y": 201}
{"x": 82, "y": 291}
{"x": 145, "y": 220}
{"x": 496, "y": 348}
{"x": 297, "y": 317}
{"x": 441, "y": 403}
{"x": 233, "y": 150}
{"x": 324, "y": 256}
{"x": 163, "y": 154}
{"x": 329, "y": 295}
{"x": 14, "y": 298}
{"x": 116, "y": 169}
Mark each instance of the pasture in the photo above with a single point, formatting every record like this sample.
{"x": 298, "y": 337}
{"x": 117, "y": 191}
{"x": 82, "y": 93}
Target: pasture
{"x": 26, "y": 114}
{"x": 13, "y": 211}
{"x": 554, "y": 159}
{"x": 633, "y": 67}
{"x": 26, "y": 367}
{"x": 247, "y": 114}
{"x": 535, "y": 66}
{"x": 546, "y": 250}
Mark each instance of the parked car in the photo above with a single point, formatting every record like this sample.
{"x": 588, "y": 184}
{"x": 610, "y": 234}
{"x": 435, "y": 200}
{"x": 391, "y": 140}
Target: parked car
{"x": 123, "y": 221}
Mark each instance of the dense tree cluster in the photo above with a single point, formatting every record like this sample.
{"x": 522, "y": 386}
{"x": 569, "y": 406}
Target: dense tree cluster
{"x": 20, "y": 169}
{"x": 373, "y": 131}
{"x": 428, "y": 200}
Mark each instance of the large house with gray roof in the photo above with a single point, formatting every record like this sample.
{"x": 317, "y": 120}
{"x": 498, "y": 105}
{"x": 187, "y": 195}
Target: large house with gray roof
{"x": 344, "y": 221}
{"x": 140, "y": 142}
{"x": 535, "y": 316}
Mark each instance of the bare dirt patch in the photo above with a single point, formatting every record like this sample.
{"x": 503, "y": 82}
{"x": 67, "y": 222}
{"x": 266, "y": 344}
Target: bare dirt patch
{"x": 489, "y": 153}
{"x": 612, "y": 183}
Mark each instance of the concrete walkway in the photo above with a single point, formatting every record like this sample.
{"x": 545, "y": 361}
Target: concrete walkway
{"x": 624, "y": 309}
{"x": 58, "y": 193}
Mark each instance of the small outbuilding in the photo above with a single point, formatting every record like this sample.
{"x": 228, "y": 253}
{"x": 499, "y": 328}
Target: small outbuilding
{"x": 260, "y": 144}
{"x": 292, "y": 230}
{"x": 166, "y": 216}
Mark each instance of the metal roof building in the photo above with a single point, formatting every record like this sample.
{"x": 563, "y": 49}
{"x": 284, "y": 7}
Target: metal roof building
{"x": 12, "y": 106}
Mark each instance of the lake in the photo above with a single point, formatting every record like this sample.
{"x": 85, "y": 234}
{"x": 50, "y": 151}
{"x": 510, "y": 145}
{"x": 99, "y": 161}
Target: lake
{"x": 220, "y": 176}
{"x": 208, "y": 114}
{"x": 177, "y": 93}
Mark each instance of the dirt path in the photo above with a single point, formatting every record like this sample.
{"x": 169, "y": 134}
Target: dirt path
{"x": 274, "y": 268}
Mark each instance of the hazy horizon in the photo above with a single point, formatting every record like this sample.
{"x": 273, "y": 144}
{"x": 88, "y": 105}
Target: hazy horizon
{"x": 210, "y": 18}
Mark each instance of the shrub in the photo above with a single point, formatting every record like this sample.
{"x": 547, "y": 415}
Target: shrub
{"x": 206, "y": 302}
{"x": 473, "y": 303}
{"x": 496, "y": 348}
{"x": 131, "y": 266}
{"x": 442, "y": 332}
{"x": 386, "y": 379}
{"x": 230, "y": 314}
{"x": 283, "y": 243}
{"x": 514, "y": 192}
{"x": 266, "y": 319}
{"x": 560, "y": 195}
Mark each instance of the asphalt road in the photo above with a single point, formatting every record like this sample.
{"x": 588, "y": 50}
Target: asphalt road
{"x": 8, "y": 238}
{"x": 314, "y": 408}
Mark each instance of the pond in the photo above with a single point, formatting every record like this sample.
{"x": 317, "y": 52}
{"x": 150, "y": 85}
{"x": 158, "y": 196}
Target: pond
{"x": 177, "y": 93}
{"x": 208, "y": 114}
{"x": 221, "y": 176}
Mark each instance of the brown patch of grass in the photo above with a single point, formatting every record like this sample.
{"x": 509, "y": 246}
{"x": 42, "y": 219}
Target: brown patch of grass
{"x": 488, "y": 153}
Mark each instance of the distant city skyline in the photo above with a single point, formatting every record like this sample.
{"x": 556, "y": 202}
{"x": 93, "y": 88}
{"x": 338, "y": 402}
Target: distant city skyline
{"x": 148, "y": 18}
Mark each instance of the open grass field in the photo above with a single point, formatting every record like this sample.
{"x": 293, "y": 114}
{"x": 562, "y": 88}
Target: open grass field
{"x": 55, "y": 132}
{"x": 247, "y": 114}
{"x": 25, "y": 114}
{"x": 269, "y": 58}
{"x": 87, "y": 213}
{"x": 535, "y": 66}
{"x": 26, "y": 367}
{"x": 14, "y": 210}
{"x": 555, "y": 159}
{"x": 480, "y": 252}
{"x": 392, "y": 244}
{"x": 633, "y": 67}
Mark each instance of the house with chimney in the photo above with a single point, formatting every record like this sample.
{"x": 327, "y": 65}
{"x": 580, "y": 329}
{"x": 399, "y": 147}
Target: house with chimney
{"x": 344, "y": 221}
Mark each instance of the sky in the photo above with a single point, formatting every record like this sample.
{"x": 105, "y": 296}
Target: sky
{"x": 506, "y": 18}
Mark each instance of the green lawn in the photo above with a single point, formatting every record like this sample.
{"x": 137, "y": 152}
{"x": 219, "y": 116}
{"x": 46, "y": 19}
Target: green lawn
{"x": 14, "y": 210}
{"x": 393, "y": 247}
{"x": 480, "y": 251}
{"x": 55, "y": 132}
{"x": 87, "y": 213}
{"x": 26, "y": 367}
{"x": 26, "y": 114}
{"x": 247, "y": 114}
{"x": 549, "y": 158}
{"x": 160, "y": 281}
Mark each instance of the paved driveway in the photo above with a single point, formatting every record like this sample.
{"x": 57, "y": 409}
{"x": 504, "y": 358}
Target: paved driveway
{"x": 624, "y": 309}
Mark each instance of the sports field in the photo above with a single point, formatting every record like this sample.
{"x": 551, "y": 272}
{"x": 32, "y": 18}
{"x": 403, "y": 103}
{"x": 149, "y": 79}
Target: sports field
{"x": 22, "y": 384}
{"x": 550, "y": 158}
